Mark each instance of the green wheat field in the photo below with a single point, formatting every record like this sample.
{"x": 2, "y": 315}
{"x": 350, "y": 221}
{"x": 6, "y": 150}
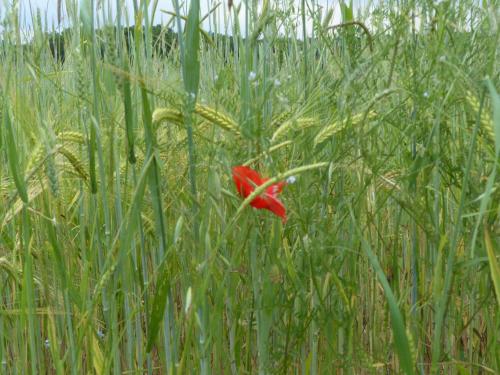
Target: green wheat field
{"x": 126, "y": 248}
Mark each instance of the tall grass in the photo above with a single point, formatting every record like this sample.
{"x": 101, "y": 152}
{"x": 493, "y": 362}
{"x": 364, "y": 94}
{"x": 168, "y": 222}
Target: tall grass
{"x": 125, "y": 248}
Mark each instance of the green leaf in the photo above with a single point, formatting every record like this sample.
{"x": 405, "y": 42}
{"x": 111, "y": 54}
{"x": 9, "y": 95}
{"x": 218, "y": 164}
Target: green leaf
{"x": 494, "y": 267}
{"x": 12, "y": 156}
{"x": 214, "y": 184}
{"x": 159, "y": 304}
{"x": 127, "y": 104}
{"x": 191, "y": 69}
{"x": 495, "y": 102}
{"x": 401, "y": 342}
{"x": 346, "y": 11}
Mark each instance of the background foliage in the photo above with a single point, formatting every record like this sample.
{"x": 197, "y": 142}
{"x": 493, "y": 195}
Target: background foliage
{"x": 124, "y": 247}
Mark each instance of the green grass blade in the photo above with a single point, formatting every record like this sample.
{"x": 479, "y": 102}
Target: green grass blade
{"x": 494, "y": 266}
{"x": 495, "y": 101}
{"x": 191, "y": 68}
{"x": 12, "y": 154}
{"x": 163, "y": 281}
{"x": 401, "y": 342}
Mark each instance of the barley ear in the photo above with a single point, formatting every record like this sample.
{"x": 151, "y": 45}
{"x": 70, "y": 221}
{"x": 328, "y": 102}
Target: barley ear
{"x": 292, "y": 124}
{"x": 486, "y": 120}
{"x": 71, "y": 137}
{"x": 281, "y": 118}
{"x": 167, "y": 114}
{"x": 77, "y": 165}
{"x": 51, "y": 173}
{"x": 217, "y": 118}
{"x": 329, "y": 131}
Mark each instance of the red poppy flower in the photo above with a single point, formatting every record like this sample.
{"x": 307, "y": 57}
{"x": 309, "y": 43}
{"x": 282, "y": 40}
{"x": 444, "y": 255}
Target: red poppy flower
{"x": 246, "y": 179}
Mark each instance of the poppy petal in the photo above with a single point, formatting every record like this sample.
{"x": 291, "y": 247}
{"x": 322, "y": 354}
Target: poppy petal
{"x": 245, "y": 180}
{"x": 275, "y": 189}
{"x": 259, "y": 202}
{"x": 275, "y": 206}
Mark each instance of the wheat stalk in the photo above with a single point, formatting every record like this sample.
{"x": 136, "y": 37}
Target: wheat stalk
{"x": 52, "y": 175}
{"x": 77, "y": 165}
{"x": 39, "y": 186}
{"x": 39, "y": 154}
{"x": 33, "y": 192}
{"x": 217, "y": 118}
{"x": 485, "y": 120}
{"x": 340, "y": 125}
{"x": 9, "y": 269}
{"x": 271, "y": 149}
{"x": 281, "y": 118}
{"x": 37, "y": 157}
{"x": 294, "y": 124}
{"x": 387, "y": 181}
{"x": 208, "y": 113}
{"x": 167, "y": 114}
{"x": 71, "y": 137}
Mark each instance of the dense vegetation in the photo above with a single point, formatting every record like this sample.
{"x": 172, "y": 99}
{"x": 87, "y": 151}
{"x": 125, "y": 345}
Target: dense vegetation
{"x": 126, "y": 248}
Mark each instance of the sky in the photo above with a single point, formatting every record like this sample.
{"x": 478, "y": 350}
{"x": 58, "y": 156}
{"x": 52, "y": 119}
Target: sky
{"x": 48, "y": 12}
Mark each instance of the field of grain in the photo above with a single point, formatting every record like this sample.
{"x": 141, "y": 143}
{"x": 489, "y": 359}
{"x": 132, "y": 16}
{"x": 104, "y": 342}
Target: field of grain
{"x": 127, "y": 248}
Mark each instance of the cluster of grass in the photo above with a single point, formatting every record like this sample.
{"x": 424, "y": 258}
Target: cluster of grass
{"x": 125, "y": 248}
